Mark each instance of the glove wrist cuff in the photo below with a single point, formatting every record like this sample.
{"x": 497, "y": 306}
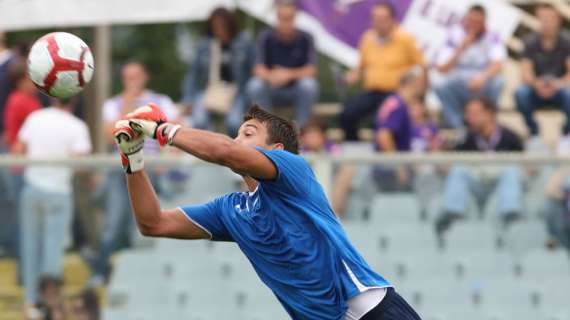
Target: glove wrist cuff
{"x": 166, "y": 132}
{"x": 133, "y": 162}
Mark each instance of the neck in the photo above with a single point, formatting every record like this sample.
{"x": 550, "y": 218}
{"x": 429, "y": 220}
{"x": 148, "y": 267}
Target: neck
{"x": 549, "y": 36}
{"x": 385, "y": 34}
{"x": 489, "y": 130}
{"x": 406, "y": 95}
{"x": 251, "y": 183}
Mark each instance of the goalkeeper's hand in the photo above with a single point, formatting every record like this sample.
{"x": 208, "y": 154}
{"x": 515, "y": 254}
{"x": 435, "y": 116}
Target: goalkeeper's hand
{"x": 130, "y": 143}
{"x": 152, "y": 122}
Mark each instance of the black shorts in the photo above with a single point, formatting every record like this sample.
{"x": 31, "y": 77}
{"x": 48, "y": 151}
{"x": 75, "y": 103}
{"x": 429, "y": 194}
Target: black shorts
{"x": 392, "y": 307}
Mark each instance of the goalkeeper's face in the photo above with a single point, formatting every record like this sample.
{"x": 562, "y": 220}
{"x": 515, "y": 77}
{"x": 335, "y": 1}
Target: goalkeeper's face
{"x": 254, "y": 133}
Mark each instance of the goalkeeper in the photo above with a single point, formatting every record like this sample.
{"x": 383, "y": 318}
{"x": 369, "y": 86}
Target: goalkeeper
{"x": 284, "y": 224}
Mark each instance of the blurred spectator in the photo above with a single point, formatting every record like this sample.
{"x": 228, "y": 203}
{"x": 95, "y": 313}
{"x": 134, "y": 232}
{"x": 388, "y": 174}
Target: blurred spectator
{"x": 285, "y": 66}
{"x": 85, "y": 306}
{"x": 557, "y": 209}
{"x": 314, "y": 139}
{"x": 50, "y": 305}
{"x": 386, "y": 53}
{"x": 21, "y": 102}
{"x": 6, "y": 85}
{"x": 220, "y": 69}
{"x": 393, "y": 133}
{"x": 485, "y": 135}
{"x": 118, "y": 222}
{"x": 545, "y": 73}
{"x": 470, "y": 61}
{"x": 425, "y": 138}
{"x": 46, "y": 203}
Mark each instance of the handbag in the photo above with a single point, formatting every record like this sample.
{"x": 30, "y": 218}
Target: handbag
{"x": 219, "y": 94}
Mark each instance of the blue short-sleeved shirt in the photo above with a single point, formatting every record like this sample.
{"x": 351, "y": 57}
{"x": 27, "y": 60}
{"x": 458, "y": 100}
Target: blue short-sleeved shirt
{"x": 294, "y": 241}
{"x": 393, "y": 115}
{"x": 271, "y": 51}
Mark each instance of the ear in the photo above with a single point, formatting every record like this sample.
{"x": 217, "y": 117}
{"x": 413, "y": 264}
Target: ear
{"x": 277, "y": 146}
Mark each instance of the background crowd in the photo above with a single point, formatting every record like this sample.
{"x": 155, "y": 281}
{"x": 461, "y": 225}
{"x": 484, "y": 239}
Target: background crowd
{"x": 277, "y": 69}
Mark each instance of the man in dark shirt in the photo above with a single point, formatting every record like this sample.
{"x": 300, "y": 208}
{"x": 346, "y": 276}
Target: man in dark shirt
{"x": 546, "y": 73}
{"x": 285, "y": 67}
{"x": 485, "y": 135}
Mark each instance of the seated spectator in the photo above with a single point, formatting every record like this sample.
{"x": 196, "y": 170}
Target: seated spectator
{"x": 485, "y": 135}
{"x": 221, "y": 65}
{"x": 470, "y": 61}
{"x": 51, "y": 304}
{"x": 285, "y": 66}
{"x": 557, "y": 209}
{"x": 425, "y": 139}
{"x": 545, "y": 73}
{"x": 46, "y": 204}
{"x": 393, "y": 133}
{"x": 313, "y": 139}
{"x": 386, "y": 53}
{"x": 118, "y": 222}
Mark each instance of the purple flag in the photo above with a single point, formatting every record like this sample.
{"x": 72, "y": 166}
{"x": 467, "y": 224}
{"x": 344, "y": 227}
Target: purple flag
{"x": 347, "y": 19}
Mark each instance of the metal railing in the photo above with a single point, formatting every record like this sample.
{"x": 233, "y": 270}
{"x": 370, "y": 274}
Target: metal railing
{"x": 322, "y": 164}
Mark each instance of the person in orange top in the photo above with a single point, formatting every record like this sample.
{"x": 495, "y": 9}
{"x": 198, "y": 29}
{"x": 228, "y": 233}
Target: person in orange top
{"x": 386, "y": 53}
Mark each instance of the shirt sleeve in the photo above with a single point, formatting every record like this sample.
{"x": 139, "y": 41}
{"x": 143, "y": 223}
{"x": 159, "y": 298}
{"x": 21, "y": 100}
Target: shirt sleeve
{"x": 82, "y": 141}
{"x": 527, "y": 52}
{"x": 416, "y": 55}
{"x": 111, "y": 111}
{"x": 446, "y": 51}
{"x": 208, "y": 217}
{"x": 390, "y": 115}
{"x": 293, "y": 172}
{"x": 168, "y": 107}
{"x": 498, "y": 51}
{"x": 261, "y": 47}
{"x": 25, "y": 133}
{"x": 312, "y": 53}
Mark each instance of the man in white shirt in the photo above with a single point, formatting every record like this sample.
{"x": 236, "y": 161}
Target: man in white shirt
{"x": 470, "y": 62}
{"x": 46, "y": 202}
{"x": 118, "y": 220}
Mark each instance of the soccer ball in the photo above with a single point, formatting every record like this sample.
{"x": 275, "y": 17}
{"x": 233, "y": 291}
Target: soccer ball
{"x": 60, "y": 64}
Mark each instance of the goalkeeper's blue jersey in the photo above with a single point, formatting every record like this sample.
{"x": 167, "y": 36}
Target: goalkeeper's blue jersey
{"x": 288, "y": 231}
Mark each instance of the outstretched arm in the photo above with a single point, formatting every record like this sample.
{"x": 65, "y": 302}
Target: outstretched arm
{"x": 222, "y": 150}
{"x": 151, "y": 220}
{"x": 208, "y": 146}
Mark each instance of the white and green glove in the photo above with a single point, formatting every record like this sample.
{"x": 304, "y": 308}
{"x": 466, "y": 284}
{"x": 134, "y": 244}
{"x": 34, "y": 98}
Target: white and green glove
{"x": 152, "y": 122}
{"x": 130, "y": 143}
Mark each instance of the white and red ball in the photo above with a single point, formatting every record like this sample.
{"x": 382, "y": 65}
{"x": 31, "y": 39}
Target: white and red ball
{"x": 60, "y": 64}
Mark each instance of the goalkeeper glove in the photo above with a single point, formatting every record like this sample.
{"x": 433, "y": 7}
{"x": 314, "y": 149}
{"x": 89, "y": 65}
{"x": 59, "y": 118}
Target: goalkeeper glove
{"x": 151, "y": 121}
{"x": 130, "y": 145}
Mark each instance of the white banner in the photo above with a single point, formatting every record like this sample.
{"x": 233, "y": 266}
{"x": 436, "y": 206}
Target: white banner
{"x": 36, "y": 14}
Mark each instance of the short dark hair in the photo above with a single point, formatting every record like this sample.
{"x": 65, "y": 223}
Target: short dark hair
{"x": 286, "y": 3}
{"x": 546, "y": 5}
{"x": 279, "y": 129}
{"x": 387, "y": 5}
{"x": 486, "y": 103}
{"x": 478, "y": 8}
{"x": 48, "y": 281}
{"x": 17, "y": 71}
{"x": 228, "y": 19}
